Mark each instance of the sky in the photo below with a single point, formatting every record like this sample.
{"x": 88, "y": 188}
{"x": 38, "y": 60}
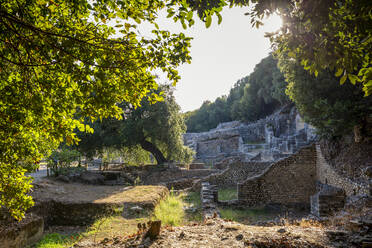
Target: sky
{"x": 221, "y": 55}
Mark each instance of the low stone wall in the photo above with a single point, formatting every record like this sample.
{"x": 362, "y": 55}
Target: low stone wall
{"x": 236, "y": 172}
{"x": 25, "y": 233}
{"x": 327, "y": 175}
{"x": 290, "y": 181}
{"x": 157, "y": 176}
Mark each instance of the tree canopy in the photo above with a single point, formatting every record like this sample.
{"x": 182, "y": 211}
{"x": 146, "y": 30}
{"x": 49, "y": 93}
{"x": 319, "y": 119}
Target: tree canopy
{"x": 332, "y": 108}
{"x": 61, "y": 62}
{"x": 157, "y": 128}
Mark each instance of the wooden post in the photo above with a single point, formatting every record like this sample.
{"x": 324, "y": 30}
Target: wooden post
{"x": 154, "y": 229}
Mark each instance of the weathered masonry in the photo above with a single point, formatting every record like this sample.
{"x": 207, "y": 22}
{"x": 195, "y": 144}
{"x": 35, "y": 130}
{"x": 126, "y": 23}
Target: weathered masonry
{"x": 289, "y": 181}
{"x": 303, "y": 179}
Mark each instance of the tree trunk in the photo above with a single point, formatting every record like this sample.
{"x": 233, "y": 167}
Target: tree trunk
{"x": 148, "y": 146}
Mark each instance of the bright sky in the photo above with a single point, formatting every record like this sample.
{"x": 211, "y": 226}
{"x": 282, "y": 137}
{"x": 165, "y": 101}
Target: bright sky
{"x": 221, "y": 55}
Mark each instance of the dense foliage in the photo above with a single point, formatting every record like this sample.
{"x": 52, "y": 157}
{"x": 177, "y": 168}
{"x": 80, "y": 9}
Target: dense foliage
{"x": 157, "y": 128}
{"x": 208, "y": 116}
{"x": 332, "y": 108}
{"x": 61, "y": 159}
{"x": 251, "y": 98}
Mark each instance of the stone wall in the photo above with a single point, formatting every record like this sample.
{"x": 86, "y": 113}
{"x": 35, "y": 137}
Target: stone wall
{"x": 164, "y": 175}
{"x": 327, "y": 175}
{"x": 289, "y": 181}
{"x": 235, "y": 172}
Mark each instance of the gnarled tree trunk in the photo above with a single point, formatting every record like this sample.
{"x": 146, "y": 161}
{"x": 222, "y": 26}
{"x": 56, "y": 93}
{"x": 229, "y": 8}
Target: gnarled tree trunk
{"x": 148, "y": 146}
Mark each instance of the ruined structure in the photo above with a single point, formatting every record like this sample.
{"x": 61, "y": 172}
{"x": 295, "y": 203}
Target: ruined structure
{"x": 290, "y": 181}
{"x": 276, "y": 136}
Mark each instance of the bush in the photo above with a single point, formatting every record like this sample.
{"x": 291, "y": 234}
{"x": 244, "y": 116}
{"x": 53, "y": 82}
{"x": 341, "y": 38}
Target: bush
{"x": 61, "y": 159}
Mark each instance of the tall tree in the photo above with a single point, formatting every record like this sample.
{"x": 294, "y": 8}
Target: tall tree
{"x": 156, "y": 127}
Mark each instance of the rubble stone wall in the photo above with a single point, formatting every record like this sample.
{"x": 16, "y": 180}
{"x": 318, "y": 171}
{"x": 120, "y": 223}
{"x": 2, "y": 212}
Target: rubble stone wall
{"x": 236, "y": 172}
{"x": 289, "y": 181}
{"x": 327, "y": 175}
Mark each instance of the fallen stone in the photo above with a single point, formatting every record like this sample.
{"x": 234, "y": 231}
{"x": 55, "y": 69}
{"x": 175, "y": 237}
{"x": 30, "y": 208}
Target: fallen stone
{"x": 282, "y": 230}
{"x": 239, "y": 237}
{"x": 136, "y": 209}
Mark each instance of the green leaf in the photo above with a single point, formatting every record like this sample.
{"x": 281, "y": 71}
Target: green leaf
{"x": 339, "y": 72}
{"x": 189, "y": 16}
{"x": 343, "y": 79}
{"x": 353, "y": 78}
{"x": 219, "y": 18}
{"x": 208, "y": 21}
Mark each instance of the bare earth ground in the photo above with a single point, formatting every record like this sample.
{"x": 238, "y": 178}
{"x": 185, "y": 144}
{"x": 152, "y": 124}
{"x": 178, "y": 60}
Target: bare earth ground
{"x": 221, "y": 233}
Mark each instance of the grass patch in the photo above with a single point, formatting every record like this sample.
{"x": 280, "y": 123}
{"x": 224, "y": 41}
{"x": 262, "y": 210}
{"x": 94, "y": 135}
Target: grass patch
{"x": 170, "y": 210}
{"x": 180, "y": 209}
{"x": 246, "y": 216}
{"x": 227, "y": 194}
{"x": 192, "y": 200}
{"x": 56, "y": 240}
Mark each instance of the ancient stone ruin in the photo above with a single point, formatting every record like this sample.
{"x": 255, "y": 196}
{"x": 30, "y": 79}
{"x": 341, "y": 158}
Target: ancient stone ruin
{"x": 276, "y": 136}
